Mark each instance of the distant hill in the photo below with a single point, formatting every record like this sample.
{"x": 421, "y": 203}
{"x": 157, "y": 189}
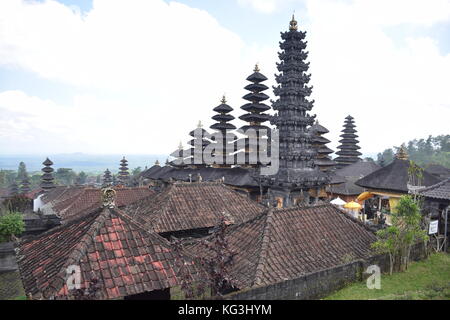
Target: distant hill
{"x": 80, "y": 161}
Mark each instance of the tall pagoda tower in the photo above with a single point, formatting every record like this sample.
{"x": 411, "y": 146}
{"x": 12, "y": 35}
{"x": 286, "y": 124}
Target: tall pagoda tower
{"x": 297, "y": 174}
{"x": 348, "y": 149}
{"x": 224, "y": 127}
{"x": 123, "y": 175}
{"x": 255, "y": 116}
{"x": 47, "y": 180}
{"x": 319, "y": 142}
{"x": 13, "y": 189}
{"x": 25, "y": 187}
{"x": 198, "y": 143}
{"x": 107, "y": 178}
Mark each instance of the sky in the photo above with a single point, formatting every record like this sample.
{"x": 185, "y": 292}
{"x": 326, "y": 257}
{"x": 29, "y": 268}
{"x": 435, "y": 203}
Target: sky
{"x": 136, "y": 76}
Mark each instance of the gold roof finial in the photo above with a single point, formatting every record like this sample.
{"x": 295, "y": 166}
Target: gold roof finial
{"x": 401, "y": 153}
{"x": 224, "y": 100}
{"x": 256, "y": 68}
{"x": 157, "y": 162}
{"x": 199, "y": 125}
{"x": 293, "y": 23}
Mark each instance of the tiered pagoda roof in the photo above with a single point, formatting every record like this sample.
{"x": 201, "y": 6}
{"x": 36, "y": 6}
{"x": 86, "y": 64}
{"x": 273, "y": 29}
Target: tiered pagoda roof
{"x": 224, "y": 127}
{"x": 123, "y": 175}
{"x": 107, "y": 178}
{"x": 296, "y": 153}
{"x": 47, "y": 177}
{"x": 348, "y": 149}
{"x": 25, "y": 187}
{"x": 323, "y": 160}
{"x": 255, "y": 116}
{"x": 13, "y": 189}
{"x": 200, "y": 140}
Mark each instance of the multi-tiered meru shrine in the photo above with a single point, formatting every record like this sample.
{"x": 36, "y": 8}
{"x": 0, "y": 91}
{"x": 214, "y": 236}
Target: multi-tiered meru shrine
{"x": 302, "y": 173}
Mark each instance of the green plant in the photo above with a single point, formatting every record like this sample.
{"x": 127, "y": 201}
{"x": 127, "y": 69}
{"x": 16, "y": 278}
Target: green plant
{"x": 397, "y": 240}
{"x": 11, "y": 224}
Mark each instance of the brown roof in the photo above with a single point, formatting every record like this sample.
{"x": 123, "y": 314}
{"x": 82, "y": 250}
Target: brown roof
{"x": 188, "y": 206}
{"x": 107, "y": 245}
{"x": 287, "y": 243}
{"x": 71, "y": 202}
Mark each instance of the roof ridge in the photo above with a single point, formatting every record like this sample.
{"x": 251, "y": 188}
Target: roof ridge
{"x": 263, "y": 250}
{"x": 129, "y": 219}
{"x": 79, "y": 250}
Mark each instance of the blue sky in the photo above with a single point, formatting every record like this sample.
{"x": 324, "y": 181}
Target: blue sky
{"x": 135, "y": 76}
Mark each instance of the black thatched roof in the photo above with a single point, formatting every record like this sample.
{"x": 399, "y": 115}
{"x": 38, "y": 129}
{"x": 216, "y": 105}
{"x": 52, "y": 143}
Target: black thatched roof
{"x": 359, "y": 169}
{"x": 233, "y": 176}
{"x": 393, "y": 177}
{"x": 438, "y": 170}
{"x": 348, "y": 188}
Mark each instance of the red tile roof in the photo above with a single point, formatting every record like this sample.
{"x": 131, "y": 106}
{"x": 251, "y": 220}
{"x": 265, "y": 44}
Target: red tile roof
{"x": 287, "y": 243}
{"x": 107, "y": 245}
{"x": 188, "y": 206}
{"x": 71, "y": 202}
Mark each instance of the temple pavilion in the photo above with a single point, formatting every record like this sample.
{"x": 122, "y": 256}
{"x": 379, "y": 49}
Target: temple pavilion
{"x": 398, "y": 178}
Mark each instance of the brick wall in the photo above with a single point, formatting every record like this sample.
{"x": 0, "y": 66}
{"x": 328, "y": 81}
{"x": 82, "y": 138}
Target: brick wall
{"x": 7, "y": 257}
{"x": 319, "y": 284}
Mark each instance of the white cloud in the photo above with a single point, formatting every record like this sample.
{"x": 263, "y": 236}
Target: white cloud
{"x": 170, "y": 64}
{"x": 264, "y": 6}
{"x": 395, "y": 92}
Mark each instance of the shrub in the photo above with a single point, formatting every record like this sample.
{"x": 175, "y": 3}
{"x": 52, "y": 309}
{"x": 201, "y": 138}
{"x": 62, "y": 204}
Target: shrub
{"x": 11, "y": 224}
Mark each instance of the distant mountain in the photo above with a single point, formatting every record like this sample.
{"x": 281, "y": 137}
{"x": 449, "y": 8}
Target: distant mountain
{"x": 80, "y": 161}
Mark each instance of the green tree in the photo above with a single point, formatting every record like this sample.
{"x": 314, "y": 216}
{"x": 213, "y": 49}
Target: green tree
{"x": 65, "y": 176}
{"x": 388, "y": 242}
{"x": 22, "y": 172}
{"x": 11, "y": 224}
{"x": 398, "y": 239}
{"x": 136, "y": 171}
{"x": 82, "y": 177}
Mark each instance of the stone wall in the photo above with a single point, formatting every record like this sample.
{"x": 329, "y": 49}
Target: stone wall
{"x": 322, "y": 283}
{"x": 7, "y": 257}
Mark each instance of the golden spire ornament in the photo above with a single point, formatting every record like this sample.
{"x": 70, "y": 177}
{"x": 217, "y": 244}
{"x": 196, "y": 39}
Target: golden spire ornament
{"x": 401, "y": 153}
{"x": 256, "y": 68}
{"x": 224, "y": 100}
{"x": 293, "y": 24}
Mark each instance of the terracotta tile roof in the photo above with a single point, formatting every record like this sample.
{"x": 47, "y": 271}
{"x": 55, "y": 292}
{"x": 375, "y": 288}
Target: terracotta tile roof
{"x": 440, "y": 190}
{"x": 287, "y": 243}
{"x": 71, "y": 202}
{"x": 106, "y": 245}
{"x": 188, "y": 206}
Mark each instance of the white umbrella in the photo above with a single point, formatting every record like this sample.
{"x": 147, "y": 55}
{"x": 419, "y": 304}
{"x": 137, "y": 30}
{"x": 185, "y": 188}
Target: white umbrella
{"x": 338, "y": 201}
